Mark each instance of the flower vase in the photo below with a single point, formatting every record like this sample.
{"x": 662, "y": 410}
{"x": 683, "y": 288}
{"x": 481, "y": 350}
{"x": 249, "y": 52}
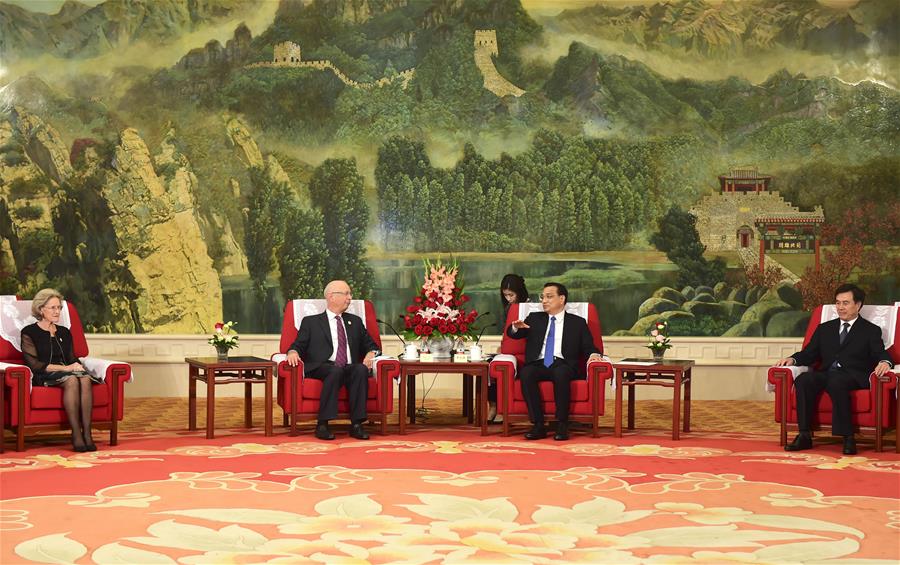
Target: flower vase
{"x": 658, "y": 354}
{"x": 440, "y": 346}
{"x": 221, "y": 353}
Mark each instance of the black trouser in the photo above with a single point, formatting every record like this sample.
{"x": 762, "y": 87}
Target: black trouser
{"x": 837, "y": 384}
{"x": 355, "y": 376}
{"x": 561, "y": 373}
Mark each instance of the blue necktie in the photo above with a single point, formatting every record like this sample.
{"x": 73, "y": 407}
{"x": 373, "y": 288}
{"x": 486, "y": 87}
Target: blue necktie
{"x": 551, "y": 342}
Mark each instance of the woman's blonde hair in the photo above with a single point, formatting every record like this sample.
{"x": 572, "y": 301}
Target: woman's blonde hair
{"x": 41, "y": 299}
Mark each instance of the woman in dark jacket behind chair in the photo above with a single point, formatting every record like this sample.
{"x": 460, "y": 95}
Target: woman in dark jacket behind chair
{"x": 512, "y": 291}
{"x": 48, "y": 352}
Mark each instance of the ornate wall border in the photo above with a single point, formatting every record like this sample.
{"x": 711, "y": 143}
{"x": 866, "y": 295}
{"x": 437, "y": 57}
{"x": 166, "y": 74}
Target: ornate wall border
{"x": 727, "y": 368}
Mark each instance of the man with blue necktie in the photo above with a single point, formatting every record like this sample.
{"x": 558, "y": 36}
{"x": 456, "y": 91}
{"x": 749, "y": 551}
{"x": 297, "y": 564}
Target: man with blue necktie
{"x": 848, "y": 349}
{"x": 337, "y": 350}
{"x": 556, "y": 342}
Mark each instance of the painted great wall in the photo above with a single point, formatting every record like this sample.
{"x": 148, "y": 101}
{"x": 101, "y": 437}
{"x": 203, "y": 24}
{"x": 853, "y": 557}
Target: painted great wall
{"x": 288, "y": 55}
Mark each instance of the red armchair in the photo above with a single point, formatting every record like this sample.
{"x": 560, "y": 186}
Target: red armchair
{"x": 299, "y": 396}
{"x": 588, "y": 395}
{"x": 874, "y": 407}
{"x": 27, "y": 409}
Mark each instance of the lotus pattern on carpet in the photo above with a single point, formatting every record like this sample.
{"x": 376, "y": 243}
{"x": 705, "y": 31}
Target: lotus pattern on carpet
{"x": 448, "y": 496}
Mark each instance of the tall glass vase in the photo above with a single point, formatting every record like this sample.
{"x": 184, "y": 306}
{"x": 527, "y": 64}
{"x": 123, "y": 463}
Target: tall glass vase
{"x": 221, "y": 353}
{"x": 440, "y": 346}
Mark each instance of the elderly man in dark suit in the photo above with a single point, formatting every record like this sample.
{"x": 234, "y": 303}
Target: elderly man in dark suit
{"x": 848, "y": 350}
{"x": 556, "y": 342}
{"x": 336, "y": 349}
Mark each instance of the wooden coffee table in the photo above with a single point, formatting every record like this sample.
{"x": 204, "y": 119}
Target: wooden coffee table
{"x": 669, "y": 373}
{"x": 479, "y": 369}
{"x": 240, "y": 369}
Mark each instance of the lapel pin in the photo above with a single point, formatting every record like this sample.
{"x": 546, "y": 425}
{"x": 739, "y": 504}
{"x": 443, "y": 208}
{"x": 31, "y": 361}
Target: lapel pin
{"x": 349, "y": 323}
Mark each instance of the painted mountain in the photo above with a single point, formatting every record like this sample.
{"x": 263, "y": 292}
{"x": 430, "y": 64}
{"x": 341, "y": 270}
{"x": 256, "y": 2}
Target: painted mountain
{"x": 169, "y": 164}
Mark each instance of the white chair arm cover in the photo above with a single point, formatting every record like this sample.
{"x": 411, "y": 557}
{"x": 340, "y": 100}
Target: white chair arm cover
{"x": 379, "y": 359}
{"x": 5, "y": 366}
{"x": 603, "y": 359}
{"x": 796, "y": 370}
{"x": 507, "y": 358}
{"x": 99, "y": 367}
{"x": 279, "y": 357}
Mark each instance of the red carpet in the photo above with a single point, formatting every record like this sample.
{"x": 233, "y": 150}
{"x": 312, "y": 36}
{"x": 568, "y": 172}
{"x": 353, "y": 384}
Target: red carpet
{"x": 448, "y": 496}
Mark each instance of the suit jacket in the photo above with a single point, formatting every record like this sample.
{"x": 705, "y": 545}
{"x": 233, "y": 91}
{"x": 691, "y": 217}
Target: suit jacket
{"x": 859, "y": 354}
{"x": 577, "y": 342}
{"x": 313, "y": 342}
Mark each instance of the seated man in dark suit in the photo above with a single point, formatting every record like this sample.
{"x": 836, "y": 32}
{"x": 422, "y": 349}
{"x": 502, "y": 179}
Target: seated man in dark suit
{"x": 336, "y": 349}
{"x": 849, "y": 349}
{"x": 557, "y": 341}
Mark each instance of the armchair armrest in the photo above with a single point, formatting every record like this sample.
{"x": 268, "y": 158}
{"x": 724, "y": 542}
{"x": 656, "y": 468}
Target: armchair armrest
{"x": 13, "y": 373}
{"x": 780, "y": 374}
{"x": 18, "y": 379}
{"x": 386, "y": 367}
{"x": 887, "y": 381}
{"x": 103, "y": 368}
{"x": 601, "y": 370}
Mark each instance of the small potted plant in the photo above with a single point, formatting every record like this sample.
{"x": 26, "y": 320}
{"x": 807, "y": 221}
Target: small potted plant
{"x": 659, "y": 340}
{"x": 224, "y": 339}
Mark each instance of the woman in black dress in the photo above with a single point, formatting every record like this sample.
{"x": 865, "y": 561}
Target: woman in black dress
{"x": 512, "y": 291}
{"x": 47, "y": 348}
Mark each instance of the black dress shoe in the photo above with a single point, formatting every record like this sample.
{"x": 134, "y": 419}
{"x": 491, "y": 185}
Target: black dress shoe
{"x": 90, "y": 447}
{"x": 849, "y": 446}
{"x": 538, "y": 431}
{"x": 562, "y": 431}
{"x": 801, "y": 442}
{"x": 324, "y": 432}
{"x": 79, "y": 448}
{"x": 358, "y": 431}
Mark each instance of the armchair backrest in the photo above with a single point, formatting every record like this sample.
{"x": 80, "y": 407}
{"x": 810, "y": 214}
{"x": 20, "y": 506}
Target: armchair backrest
{"x": 15, "y": 314}
{"x": 887, "y": 317}
{"x": 516, "y": 347}
{"x": 296, "y": 310}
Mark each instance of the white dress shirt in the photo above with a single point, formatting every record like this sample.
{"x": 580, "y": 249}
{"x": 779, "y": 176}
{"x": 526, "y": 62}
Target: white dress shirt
{"x": 850, "y": 327}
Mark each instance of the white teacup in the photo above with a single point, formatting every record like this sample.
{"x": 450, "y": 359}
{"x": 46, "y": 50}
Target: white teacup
{"x": 475, "y": 353}
{"x": 411, "y": 352}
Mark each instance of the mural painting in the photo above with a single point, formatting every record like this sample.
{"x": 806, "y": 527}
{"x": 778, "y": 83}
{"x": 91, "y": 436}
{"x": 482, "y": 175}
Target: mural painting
{"x": 721, "y": 165}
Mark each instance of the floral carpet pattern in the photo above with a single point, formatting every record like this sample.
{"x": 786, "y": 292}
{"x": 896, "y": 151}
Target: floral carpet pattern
{"x": 448, "y": 496}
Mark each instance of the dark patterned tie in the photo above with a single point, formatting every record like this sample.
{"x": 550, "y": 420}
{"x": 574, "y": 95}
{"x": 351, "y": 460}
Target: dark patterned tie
{"x": 340, "y": 356}
{"x": 845, "y": 329}
{"x": 551, "y": 343}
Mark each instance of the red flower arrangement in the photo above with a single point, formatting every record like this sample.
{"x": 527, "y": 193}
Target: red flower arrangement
{"x": 439, "y": 307}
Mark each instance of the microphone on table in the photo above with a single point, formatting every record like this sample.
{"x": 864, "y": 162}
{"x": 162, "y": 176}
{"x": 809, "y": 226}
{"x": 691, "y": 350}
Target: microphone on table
{"x": 477, "y": 341}
{"x": 396, "y": 333}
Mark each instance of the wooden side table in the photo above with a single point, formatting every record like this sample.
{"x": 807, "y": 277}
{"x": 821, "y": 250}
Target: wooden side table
{"x": 468, "y": 369}
{"x": 240, "y": 369}
{"x": 669, "y": 373}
